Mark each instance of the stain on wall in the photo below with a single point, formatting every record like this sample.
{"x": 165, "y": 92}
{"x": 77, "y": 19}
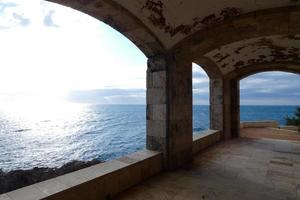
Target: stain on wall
{"x": 157, "y": 18}
{"x": 278, "y": 48}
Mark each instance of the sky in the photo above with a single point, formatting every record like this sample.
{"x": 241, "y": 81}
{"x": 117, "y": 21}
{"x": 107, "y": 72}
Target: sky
{"x": 50, "y": 52}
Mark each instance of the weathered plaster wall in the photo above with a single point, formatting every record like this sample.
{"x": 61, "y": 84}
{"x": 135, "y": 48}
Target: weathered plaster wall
{"x": 174, "y": 20}
{"x": 258, "y": 24}
{"x": 279, "y": 48}
{"x": 170, "y": 21}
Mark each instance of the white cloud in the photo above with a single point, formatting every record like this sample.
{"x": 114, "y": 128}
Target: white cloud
{"x": 76, "y": 54}
{"x": 200, "y": 91}
{"x": 271, "y": 88}
{"x": 200, "y": 80}
{"x": 50, "y": 50}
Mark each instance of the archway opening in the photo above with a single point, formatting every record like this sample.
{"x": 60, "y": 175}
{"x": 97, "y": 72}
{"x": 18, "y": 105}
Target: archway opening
{"x": 201, "y": 103}
{"x": 266, "y": 99}
{"x": 71, "y": 88}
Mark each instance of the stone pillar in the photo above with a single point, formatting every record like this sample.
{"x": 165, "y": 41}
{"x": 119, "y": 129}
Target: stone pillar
{"x": 216, "y": 103}
{"x": 156, "y": 112}
{"x": 231, "y": 95}
{"x": 180, "y": 112}
{"x": 169, "y": 109}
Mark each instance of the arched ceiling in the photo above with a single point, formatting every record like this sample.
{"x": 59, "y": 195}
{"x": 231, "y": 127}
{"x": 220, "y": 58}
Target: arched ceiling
{"x": 226, "y": 35}
{"x": 169, "y": 21}
{"x": 255, "y": 51}
{"x": 173, "y": 20}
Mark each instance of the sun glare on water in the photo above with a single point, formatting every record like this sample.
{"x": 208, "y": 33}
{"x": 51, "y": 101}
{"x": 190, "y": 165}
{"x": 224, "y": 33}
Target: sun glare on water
{"x": 48, "y": 51}
{"x": 42, "y": 108}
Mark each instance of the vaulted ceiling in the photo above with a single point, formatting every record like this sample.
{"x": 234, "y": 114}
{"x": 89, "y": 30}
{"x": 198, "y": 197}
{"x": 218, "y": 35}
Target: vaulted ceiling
{"x": 231, "y": 34}
{"x": 173, "y": 20}
{"x": 279, "y": 48}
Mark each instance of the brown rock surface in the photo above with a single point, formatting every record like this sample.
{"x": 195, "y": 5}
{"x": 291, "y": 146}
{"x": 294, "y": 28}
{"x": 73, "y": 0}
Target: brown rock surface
{"x": 20, "y": 178}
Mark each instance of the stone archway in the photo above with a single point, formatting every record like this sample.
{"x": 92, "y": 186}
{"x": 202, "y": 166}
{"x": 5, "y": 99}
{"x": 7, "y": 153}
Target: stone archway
{"x": 170, "y": 57}
{"x": 292, "y": 67}
{"x": 136, "y": 31}
{"x": 236, "y": 76}
{"x": 223, "y": 49}
{"x": 216, "y": 92}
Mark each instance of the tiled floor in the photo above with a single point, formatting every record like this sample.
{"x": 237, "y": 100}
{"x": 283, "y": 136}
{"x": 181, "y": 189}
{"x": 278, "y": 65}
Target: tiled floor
{"x": 242, "y": 169}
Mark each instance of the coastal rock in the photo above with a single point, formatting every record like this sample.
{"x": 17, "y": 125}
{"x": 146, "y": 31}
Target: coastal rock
{"x": 20, "y": 178}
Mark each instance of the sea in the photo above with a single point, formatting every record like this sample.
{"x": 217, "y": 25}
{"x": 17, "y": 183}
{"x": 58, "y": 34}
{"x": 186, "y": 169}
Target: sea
{"x": 38, "y": 138}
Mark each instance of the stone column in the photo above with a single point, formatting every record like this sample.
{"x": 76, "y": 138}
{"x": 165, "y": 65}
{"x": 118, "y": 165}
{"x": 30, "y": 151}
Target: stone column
{"x": 216, "y": 103}
{"x": 156, "y": 112}
{"x": 180, "y": 111}
{"x": 231, "y": 95}
{"x": 169, "y": 109}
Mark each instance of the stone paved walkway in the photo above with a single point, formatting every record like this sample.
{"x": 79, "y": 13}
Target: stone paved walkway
{"x": 241, "y": 169}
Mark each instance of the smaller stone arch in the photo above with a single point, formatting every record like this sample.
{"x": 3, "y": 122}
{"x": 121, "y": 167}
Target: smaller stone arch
{"x": 215, "y": 91}
{"x": 233, "y": 86}
{"x": 209, "y": 67}
{"x": 239, "y": 74}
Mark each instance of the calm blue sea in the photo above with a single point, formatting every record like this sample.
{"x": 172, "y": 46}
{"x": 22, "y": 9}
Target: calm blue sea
{"x": 96, "y": 131}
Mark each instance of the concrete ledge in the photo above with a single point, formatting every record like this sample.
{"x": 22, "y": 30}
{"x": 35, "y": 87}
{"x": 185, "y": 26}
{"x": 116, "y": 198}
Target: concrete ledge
{"x": 105, "y": 180}
{"x": 290, "y": 128}
{"x": 259, "y": 124}
{"x": 205, "y": 139}
{"x": 102, "y": 181}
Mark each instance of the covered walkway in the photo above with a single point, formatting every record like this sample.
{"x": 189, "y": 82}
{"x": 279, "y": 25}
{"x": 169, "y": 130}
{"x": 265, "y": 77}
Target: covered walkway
{"x": 230, "y": 40}
{"x": 242, "y": 168}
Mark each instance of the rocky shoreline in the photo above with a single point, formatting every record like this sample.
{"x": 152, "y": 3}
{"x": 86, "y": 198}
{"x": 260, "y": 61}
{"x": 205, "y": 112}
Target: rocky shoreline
{"x": 20, "y": 178}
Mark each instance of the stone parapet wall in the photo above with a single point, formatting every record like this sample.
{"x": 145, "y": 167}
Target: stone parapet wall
{"x": 259, "y": 124}
{"x": 290, "y": 128}
{"x": 205, "y": 139}
{"x": 101, "y": 181}
{"x": 106, "y": 180}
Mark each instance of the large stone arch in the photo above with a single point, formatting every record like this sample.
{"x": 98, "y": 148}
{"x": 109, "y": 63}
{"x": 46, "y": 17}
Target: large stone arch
{"x": 160, "y": 63}
{"x": 169, "y": 74}
{"x": 120, "y": 19}
{"x": 169, "y": 97}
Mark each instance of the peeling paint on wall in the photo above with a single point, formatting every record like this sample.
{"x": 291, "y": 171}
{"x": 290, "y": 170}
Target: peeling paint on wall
{"x": 256, "y": 51}
{"x": 157, "y": 18}
{"x": 224, "y": 14}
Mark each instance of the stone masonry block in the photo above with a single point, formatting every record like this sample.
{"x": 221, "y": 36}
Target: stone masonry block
{"x": 157, "y": 112}
{"x": 157, "y": 63}
{"x": 156, "y": 128}
{"x": 156, "y": 143}
{"x": 159, "y": 79}
{"x": 156, "y": 96}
